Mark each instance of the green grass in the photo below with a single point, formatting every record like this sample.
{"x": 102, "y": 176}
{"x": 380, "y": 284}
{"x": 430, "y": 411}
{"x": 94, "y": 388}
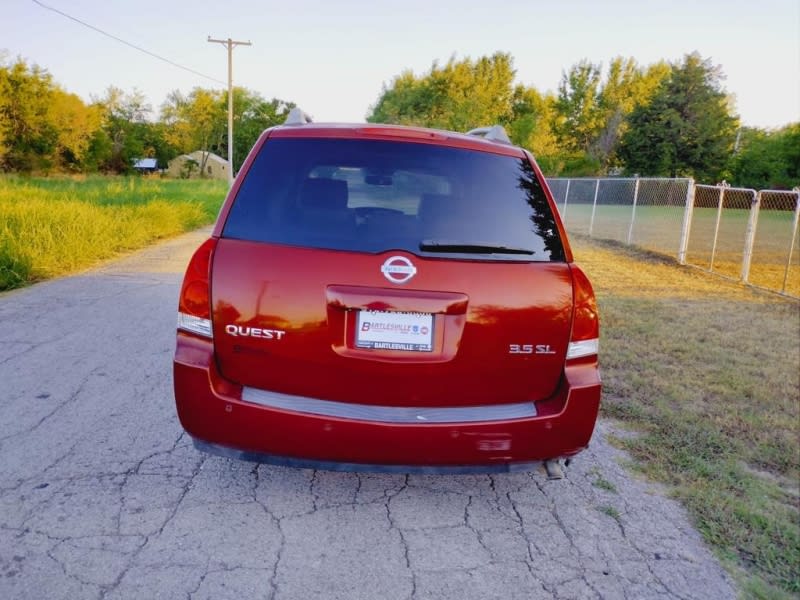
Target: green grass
{"x": 610, "y": 511}
{"x": 53, "y": 226}
{"x": 707, "y": 371}
{"x": 658, "y": 228}
{"x": 601, "y": 482}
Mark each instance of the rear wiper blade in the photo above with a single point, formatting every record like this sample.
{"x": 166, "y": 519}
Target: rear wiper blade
{"x": 471, "y": 248}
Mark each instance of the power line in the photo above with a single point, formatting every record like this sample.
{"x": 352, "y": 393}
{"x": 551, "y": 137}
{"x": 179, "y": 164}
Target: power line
{"x": 134, "y": 46}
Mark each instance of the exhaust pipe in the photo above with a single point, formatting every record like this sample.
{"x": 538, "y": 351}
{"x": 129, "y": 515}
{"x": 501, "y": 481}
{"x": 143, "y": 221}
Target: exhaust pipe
{"x": 553, "y": 469}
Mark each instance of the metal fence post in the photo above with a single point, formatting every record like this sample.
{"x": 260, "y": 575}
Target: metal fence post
{"x": 686, "y": 226}
{"x": 594, "y": 205}
{"x": 564, "y": 210}
{"x": 633, "y": 211}
{"x": 716, "y": 227}
{"x": 791, "y": 244}
{"x": 750, "y": 235}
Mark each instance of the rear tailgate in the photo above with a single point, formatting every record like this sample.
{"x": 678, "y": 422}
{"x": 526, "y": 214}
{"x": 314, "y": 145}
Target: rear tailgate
{"x": 287, "y": 319}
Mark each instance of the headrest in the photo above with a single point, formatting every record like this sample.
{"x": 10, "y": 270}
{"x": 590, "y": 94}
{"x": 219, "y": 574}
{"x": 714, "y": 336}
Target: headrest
{"x": 324, "y": 194}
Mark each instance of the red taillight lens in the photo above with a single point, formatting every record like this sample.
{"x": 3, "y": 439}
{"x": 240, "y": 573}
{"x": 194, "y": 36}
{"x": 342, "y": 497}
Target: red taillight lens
{"x": 194, "y": 305}
{"x": 584, "y": 341}
{"x": 195, "y": 299}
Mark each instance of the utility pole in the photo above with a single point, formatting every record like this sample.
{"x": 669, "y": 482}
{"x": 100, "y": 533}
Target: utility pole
{"x": 230, "y": 44}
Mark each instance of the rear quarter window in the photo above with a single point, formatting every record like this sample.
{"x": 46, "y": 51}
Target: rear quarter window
{"x": 374, "y": 196}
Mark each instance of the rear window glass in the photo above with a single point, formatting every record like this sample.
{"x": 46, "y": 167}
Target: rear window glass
{"x": 374, "y": 196}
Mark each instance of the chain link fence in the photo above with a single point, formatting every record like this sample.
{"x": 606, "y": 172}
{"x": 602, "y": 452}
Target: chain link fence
{"x": 776, "y": 242}
{"x": 743, "y": 234}
{"x": 719, "y": 230}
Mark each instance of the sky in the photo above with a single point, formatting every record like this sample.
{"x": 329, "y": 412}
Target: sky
{"x": 333, "y": 58}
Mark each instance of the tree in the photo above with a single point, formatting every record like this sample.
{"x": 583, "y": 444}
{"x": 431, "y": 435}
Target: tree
{"x": 591, "y": 111}
{"x": 199, "y": 121}
{"x": 686, "y": 130}
{"x": 29, "y": 137}
{"x": 459, "y": 96}
{"x": 196, "y": 122}
{"x": 42, "y": 127}
{"x": 576, "y": 131}
{"x": 404, "y": 102}
{"x": 626, "y": 86}
{"x": 126, "y": 126}
{"x": 252, "y": 115}
{"x": 579, "y": 118}
{"x": 76, "y": 124}
{"x": 768, "y": 159}
{"x": 531, "y": 126}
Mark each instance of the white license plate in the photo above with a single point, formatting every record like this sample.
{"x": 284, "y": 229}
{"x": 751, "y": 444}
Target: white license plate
{"x": 382, "y": 330}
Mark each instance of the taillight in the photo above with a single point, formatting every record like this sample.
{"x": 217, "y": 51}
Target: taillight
{"x": 585, "y": 339}
{"x": 194, "y": 306}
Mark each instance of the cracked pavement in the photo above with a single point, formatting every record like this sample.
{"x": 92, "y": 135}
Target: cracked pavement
{"x": 103, "y": 496}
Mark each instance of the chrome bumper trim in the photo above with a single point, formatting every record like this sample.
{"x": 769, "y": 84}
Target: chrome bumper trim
{"x": 389, "y": 414}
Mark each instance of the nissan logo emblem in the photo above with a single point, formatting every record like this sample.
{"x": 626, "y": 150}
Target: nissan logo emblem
{"x": 398, "y": 269}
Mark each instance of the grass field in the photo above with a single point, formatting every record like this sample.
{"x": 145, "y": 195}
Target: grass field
{"x": 658, "y": 228}
{"x": 52, "y": 226}
{"x": 706, "y": 372}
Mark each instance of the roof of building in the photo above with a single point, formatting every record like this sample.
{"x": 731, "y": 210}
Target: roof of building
{"x": 198, "y": 156}
{"x": 145, "y": 163}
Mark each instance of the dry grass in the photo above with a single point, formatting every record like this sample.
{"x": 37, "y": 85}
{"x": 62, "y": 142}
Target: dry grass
{"x": 658, "y": 228}
{"x": 709, "y": 371}
{"x": 49, "y": 227}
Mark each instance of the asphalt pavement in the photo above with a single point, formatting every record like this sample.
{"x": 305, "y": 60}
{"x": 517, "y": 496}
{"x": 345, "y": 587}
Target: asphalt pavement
{"x": 102, "y": 495}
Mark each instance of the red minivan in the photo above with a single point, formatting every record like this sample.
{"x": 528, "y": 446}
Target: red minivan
{"x": 387, "y": 298}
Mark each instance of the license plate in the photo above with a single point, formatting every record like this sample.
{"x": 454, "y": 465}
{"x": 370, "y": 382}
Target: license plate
{"x": 381, "y": 330}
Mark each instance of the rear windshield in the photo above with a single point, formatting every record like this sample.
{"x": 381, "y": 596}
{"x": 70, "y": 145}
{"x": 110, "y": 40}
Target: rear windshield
{"x": 374, "y": 196}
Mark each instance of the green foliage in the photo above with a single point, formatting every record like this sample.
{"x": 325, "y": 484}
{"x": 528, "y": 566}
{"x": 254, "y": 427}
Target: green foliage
{"x": 15, "y": 266}
{"x": 42, "y": 127}
{"x": 196, "y": 121}
{"x": 768, "y": 160}
{"x": 574, "y": 133}
{"x": 579, "y": 118}
{"x": 459, "y": 96}
{"x": 531, "y": 123}
{"x": 253, "y": 114}
{"x": 199, "y": 121}
{"x": 601, "y": 482}
{"x": 686, "y": 129}
{"x": 611, "y": 512}
{"x": 657, "y": 120}
{"x": 127, "y": 131}
{"x": 50, "y": 226}
{"x": 578, "y": 164}
{"x": 626, "y": 87}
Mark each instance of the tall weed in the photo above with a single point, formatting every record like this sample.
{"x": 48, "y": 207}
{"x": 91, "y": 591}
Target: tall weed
{"x": 49, "y": 227}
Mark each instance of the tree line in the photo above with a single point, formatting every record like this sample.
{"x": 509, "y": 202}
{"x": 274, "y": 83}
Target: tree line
{"x": 44, "y": 128}
{"x": 664, "y": 119}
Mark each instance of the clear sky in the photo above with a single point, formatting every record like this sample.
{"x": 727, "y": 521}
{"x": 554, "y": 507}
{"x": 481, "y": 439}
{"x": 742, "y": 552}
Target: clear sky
{"x": 332, "y": 58}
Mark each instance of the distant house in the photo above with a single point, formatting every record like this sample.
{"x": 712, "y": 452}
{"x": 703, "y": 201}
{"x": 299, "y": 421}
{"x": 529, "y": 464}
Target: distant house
{"x": 188, "y": 166}
{"x": 145, "y": 165}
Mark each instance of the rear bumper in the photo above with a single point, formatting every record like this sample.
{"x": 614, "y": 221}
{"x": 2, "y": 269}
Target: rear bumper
{"x": 212, "y": 411}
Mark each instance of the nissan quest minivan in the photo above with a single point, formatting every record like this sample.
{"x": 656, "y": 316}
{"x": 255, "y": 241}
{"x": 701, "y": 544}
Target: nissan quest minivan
{"x": 378, "y": 297}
